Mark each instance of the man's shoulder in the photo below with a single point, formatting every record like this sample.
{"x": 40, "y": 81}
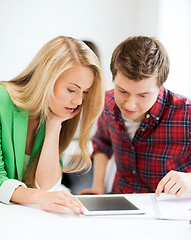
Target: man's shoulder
{"x": 179, "y": 102}
{"x": 109, "y": 94}
{"x": 109, "y": 97}
{"x": 109, "y": 101}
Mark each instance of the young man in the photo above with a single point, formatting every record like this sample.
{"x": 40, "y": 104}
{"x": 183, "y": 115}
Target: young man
{"x": 146, "y": 127}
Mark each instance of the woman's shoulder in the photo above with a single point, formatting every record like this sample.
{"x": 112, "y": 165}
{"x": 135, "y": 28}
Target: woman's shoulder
{"x": 3, "y": 92}
{"x": 4, "y": 97}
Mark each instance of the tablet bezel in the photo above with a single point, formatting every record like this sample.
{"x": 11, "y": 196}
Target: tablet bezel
{"x": 109, "y": 212}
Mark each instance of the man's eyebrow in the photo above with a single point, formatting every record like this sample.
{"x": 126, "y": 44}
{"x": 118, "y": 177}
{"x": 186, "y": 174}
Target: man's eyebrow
{"x": 121, "y": 87}
{"x": 127, "y": 91}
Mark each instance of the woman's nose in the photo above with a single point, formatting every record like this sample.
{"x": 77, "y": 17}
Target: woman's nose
{"x": 78, "y": 100}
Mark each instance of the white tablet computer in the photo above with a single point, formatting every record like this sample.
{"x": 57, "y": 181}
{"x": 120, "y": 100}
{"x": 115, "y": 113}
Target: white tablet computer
{"x": 107, "y": 204}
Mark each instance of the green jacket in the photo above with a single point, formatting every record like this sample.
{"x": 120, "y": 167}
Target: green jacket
{"x": 13, "y": 133}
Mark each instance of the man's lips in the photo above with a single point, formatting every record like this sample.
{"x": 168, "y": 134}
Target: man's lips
{"x": 129, "y": 112}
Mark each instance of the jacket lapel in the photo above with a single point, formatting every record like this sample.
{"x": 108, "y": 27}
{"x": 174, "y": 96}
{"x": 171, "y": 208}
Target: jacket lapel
{"x": 20, "y": 126}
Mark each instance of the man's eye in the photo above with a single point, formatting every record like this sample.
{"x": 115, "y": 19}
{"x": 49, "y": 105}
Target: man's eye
{"x": 122, "y": 91}
{"x": 141, "y": 95}
{"x": 70, "y": 90}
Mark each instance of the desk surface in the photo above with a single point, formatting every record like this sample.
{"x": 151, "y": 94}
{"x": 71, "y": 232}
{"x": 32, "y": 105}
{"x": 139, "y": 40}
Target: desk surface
{"x": 30, "y": 222}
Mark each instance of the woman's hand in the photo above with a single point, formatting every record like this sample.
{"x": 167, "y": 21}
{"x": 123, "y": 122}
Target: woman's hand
{"x": 58, "y": 201}
{"x": 174, "y": 183}
{"x": 54, "y": 120}
{"x": 53, "y": 117}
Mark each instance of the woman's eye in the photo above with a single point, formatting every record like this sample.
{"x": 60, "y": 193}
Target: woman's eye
{"x": 85, "y": 92}
{"x": 70, "y": 90}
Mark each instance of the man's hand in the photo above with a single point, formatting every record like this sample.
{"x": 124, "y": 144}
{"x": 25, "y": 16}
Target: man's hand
{"x": 174, "y": 183}
{"x": 92, "y": 191}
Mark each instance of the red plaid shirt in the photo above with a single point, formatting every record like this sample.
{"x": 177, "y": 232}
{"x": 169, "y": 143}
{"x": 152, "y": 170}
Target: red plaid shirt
{"x": 162, "y": 142}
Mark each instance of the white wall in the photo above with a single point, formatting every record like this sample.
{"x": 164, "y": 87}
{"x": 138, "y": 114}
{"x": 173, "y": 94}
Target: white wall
{"x": 25, "y": 25}
{"x": 175, "y": 34}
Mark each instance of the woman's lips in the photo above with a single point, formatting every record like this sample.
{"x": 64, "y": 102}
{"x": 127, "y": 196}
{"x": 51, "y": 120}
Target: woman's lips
{"x": 70, "y": 110}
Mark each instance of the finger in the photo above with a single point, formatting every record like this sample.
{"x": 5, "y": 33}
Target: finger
{"x": 74, "y": 208}
{"x": 54, "y": 207}
{"x": 69, "y": 195}
{"x": 59, "y": 208}
{"x": 162, "y": 184}
{"x": 180, "y": 192}
{"x": 71, "y": 202}
{"x": 174, "y": 189}
{"x": 169, "y": 185}
{"x": 66, "y": 202}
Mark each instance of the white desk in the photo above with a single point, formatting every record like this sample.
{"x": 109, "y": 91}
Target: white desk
{"x": 23, "y": 222}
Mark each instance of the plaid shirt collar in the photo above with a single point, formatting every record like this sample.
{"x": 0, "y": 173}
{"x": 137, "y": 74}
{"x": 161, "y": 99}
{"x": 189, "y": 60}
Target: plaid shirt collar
{"x": 157, "y": 109}
{"x": 155, "y": 112}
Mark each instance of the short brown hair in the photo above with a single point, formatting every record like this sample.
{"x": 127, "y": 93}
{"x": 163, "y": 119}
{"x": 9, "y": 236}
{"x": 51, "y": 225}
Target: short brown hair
{"x": 140, "y": 57}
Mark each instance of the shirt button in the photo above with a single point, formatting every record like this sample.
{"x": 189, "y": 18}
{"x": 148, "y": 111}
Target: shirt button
{"x": 148, "y": 116}
{"x": 157, "y": 118}
{"x": 134, "y": 171}
{"x": 132, "y": 148}
{"x": 142, "y": 129}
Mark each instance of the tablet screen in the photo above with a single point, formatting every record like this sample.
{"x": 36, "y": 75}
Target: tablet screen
{"x": 108, "y": 205}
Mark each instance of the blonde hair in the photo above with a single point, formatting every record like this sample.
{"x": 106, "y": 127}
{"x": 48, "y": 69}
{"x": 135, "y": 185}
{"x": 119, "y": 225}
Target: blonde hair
{"x": 33, "y": 89}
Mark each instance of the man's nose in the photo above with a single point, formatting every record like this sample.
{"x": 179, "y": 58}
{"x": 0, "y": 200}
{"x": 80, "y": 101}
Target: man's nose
{"x": 131, "y": 104}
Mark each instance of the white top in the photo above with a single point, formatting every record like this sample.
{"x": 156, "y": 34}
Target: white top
{"x": 7, "y": 189}
{"x": 132, "y": 127}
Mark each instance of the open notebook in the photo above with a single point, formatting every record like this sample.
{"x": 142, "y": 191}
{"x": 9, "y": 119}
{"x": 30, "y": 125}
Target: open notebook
{"x": 171, "y": 207}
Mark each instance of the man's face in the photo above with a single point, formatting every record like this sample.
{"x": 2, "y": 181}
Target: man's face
{"x": 134, "y": 99}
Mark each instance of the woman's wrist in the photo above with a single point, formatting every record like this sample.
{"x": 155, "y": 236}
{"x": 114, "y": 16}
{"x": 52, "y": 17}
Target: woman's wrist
{"x": 37, "y": 196}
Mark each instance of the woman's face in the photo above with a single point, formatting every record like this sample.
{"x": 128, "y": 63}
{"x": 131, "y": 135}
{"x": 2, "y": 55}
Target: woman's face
{"x": 70, "y": 90}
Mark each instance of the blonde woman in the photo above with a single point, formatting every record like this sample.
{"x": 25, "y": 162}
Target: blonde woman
{"x": 39, "y": 113}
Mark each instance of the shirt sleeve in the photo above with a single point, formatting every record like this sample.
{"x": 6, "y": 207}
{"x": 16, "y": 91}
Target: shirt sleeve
{"x": 101, "y": 140}
{"x": 7, "y": 189}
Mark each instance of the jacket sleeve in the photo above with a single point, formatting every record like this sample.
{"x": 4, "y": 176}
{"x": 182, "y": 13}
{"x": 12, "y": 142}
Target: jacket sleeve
{"x": 3, "y": 173}
{"x": 7, "y": 186}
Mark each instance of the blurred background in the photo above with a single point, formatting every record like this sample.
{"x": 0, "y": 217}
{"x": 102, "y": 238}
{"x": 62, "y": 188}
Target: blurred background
{"x": 26, "y": 25}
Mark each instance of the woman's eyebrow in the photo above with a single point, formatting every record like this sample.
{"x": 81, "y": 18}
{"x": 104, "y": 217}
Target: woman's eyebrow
{"x": 79, "y": 86}
{"x": 76, "y": 85}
